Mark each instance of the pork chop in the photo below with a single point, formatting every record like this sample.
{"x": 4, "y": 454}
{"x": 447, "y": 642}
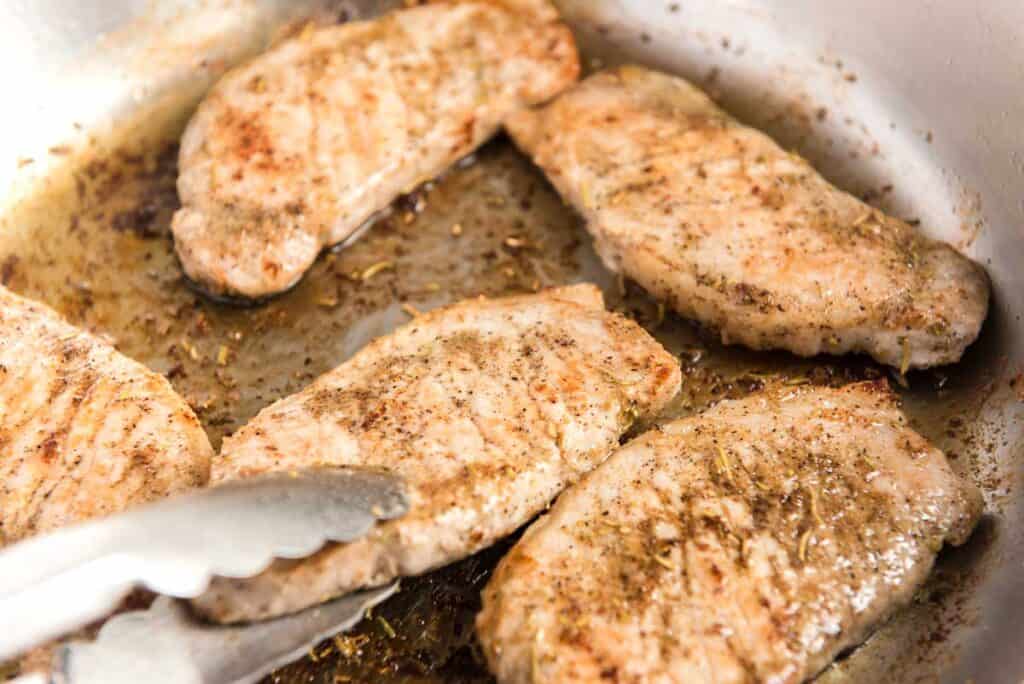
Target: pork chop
{"x": 296, "y": 149}
{"x": 84, "y": 430}
{"x": 751, "y": 543}
{"x": 731, "y": 230}
{"x": 487, "y": 409}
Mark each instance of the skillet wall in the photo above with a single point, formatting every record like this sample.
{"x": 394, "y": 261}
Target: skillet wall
{"x": 916, "y": 104}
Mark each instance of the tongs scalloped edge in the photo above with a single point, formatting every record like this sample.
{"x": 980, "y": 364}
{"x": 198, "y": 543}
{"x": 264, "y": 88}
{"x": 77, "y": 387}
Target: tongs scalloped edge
{"x": 53, "y": 584}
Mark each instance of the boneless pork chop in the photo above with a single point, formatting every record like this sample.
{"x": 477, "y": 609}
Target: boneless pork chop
{"x": 488, "y": 409}
{"x": 730, "y": 229}
{"x": 751, "y": 543}
{"x": 84, "y": 431}
{"x": 296, "y": 149}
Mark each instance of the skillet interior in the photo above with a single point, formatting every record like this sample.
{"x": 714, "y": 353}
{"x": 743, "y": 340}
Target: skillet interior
{"x": 85, "y": 228}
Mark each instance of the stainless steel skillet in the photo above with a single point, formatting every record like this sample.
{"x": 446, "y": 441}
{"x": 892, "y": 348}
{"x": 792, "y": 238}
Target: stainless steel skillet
{"x": 916, "y": 104}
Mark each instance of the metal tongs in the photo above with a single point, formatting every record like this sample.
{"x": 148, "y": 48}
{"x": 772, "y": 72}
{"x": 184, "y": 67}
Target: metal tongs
{"x": 55, "y": 583}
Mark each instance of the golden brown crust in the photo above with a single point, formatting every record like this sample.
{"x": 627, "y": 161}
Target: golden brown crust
{"x": 296, "y": 149}
{"x": 730, "y": 229}
{"x": 753, "y": 542}
{"x": 487, "y": 408}
{"x": 84, "y": 431}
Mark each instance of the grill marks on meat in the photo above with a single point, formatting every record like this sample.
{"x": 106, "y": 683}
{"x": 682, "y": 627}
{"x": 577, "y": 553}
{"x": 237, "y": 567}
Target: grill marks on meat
{"x": 731, "y": 230}
{"x": 753, "y": 542}
{"x": 296, "y": 149}
{"x": 488, "y": 409}
{"x": 84, "y": 431}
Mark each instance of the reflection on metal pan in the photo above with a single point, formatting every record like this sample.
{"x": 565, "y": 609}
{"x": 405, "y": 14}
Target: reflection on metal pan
{"x": 913, "y": 105}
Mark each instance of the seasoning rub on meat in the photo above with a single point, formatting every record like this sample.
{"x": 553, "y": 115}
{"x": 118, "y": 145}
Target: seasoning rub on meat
{"x": 296, "y": 149}
{"x": 730, "y": 229}
{"x": 751, "y": 543}
{"x": 487, "y": 408}
{"x": 84, "y": 430}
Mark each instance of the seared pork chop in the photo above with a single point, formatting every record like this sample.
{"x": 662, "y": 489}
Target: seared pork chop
{"x": 296, "y": 149}
{"x": 751, "y": 543}
{"x": 84, "y": 430}
{"x": 731, "y": 230}
{"x": 487, "y": 409}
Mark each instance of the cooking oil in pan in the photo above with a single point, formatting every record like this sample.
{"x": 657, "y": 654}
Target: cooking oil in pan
{"x": 95, "y": 244}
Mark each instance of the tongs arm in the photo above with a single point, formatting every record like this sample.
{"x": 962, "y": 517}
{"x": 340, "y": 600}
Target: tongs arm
{"x": 58, "y": 582}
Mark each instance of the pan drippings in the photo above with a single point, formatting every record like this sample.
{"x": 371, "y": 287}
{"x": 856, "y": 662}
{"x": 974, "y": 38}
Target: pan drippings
{"x": 98, "y": 249}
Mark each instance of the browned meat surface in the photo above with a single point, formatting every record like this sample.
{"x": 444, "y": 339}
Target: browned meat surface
{"x": 487, "y": 409}
{"x": 84, "y": 431}
{"x": 731, "y": 230}
{"x": 751, "y": 543}
{"x": 296, "y": 149}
